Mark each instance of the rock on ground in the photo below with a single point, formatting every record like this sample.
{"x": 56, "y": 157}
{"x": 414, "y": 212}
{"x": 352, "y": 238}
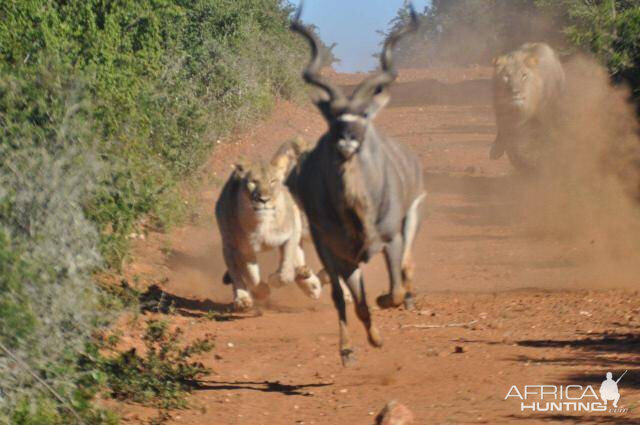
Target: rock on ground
{"x": 394, "y": 413}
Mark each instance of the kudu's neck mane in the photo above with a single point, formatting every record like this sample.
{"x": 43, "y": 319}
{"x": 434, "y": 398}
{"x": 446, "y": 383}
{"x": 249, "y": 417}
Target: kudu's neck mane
{"x": 355, "y": 206}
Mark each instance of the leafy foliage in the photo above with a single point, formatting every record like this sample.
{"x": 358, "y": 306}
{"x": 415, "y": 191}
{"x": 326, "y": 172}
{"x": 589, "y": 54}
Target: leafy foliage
{"x": 165, "y": 77}
{"x": 610, "y": 29}
{"x": 47, "y": 170}
{"x": 162, "y": 376}
{"x": 104, "y": 108}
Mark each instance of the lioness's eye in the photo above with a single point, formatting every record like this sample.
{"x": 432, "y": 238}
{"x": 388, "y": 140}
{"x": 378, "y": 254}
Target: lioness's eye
{"x": 524, "y": 77}
{"x": 273, "y": 182}
{"x": 251, "y": 186}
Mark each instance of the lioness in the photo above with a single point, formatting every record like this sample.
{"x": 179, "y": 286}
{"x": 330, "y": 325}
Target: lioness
{"x": 255, "y": 213}
{"x": 528, "y": 84}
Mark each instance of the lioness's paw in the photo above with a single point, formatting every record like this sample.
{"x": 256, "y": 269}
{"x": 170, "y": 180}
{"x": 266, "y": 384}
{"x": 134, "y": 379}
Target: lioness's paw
{"x": 243, "y": 300}
{"x": 311, "y": 286}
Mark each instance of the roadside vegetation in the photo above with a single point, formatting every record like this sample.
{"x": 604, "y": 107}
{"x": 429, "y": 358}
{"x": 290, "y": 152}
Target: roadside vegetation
{"x": 160, "y": 376}
{"x": 104, "y": 108}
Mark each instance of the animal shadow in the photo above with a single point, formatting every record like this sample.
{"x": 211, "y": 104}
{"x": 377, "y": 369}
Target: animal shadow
{"x": 261, "y": 386}
{"x": 155, "y": 299}
{"x": 609, "y": 352}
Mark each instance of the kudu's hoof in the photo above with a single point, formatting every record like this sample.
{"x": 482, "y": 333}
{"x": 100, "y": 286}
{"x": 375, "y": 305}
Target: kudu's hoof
{"x": 387, "y": 301}
{"x": 347, "y": 356}
{"x": 375, "y": 339}
{"x": 409, "y": 302}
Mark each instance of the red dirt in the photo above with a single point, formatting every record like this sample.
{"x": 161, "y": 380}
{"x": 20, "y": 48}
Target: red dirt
{"x": 541, "y": 311}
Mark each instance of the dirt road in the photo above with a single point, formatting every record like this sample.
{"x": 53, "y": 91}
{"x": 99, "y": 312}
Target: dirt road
{"x": 535, "y": 308}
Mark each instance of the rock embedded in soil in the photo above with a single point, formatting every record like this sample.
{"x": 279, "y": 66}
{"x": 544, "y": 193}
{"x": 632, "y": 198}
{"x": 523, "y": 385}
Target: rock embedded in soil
{"x": 394, "y": 413}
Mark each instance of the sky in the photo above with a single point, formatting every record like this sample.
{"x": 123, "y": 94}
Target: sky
{"x": 353, "y": 24}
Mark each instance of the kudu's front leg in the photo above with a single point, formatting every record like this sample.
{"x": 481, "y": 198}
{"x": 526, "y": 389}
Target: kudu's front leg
{"x": 356, "y": 286}
{"x": 346, "y": 351}
{"x": 332, "y": 267}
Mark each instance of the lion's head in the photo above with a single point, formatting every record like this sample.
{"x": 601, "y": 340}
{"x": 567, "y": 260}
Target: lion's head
{"x": 518, "y": 83}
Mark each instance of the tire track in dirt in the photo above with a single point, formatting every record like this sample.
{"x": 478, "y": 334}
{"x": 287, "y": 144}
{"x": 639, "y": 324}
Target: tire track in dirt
{"x": 538, "y": 319}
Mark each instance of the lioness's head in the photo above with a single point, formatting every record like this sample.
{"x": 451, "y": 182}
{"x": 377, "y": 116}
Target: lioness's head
{"x": 518, "y": 83}
{"x": 263, "y": 182}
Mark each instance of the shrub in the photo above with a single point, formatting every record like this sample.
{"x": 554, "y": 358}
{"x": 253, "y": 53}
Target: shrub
{"x": 163, "y": 375}
{"x": 166, "y": 78}
{"x": 48, "y": 247}
{"x": 104, "y": 108}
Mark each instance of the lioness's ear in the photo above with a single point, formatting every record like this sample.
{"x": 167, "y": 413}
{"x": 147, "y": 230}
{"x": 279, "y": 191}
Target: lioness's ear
{"x": 299, "y": 145}
{"x": 281, "y": 164}
{"x": 531, "y": 61}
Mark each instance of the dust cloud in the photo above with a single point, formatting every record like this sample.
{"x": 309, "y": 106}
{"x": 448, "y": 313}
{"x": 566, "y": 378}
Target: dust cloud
{"x": 586, "y": 194}
{"x": 584, "y": 201}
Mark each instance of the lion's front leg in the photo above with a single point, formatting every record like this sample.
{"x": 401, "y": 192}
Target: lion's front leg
{"x": 307, "y": 281}
{"x": 238, "y": 272}
{"x": 286, "y": 271}
{"x": 259, "y": 290}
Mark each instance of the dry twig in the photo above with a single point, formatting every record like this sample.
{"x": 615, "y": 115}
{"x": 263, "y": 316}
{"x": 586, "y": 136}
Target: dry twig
{"x": 448, "y": 325}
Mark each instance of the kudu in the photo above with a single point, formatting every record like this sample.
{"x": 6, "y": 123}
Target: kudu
{"x": 362, "y": 192}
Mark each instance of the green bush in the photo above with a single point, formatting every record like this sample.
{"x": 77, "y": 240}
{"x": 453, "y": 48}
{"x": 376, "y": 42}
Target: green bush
{"x": 166, "y": 78}
{"x": 163, "y": 375}
{"x": 610, "y": 29}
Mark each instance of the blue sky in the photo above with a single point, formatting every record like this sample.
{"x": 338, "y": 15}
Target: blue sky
{"x": 353, "y": 25}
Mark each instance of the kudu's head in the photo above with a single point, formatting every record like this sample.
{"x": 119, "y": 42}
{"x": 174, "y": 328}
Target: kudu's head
{"x": 349, "y": 117}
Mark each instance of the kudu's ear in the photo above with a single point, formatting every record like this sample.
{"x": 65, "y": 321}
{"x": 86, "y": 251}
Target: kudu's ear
{"x": 378, "y": 101}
